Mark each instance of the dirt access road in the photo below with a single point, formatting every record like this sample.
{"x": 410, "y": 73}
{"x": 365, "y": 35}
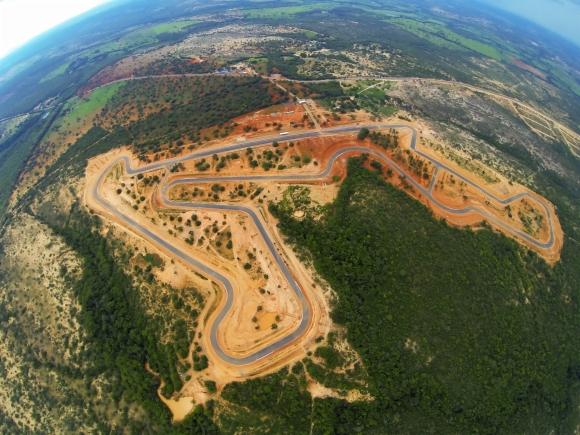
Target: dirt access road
{"x": 95, "y": 197}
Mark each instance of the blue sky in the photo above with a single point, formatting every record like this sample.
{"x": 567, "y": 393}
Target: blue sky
{"x": 560, "y": 16}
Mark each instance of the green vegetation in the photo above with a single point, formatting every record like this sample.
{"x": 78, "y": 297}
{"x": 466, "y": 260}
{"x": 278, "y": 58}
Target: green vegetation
{"x": 60, "y": 70}
{"x": 326, "y": 89}
{"x": 297, "y": 198}
{"x": 260, "y": 64}
{"x": 446, "y": 351}
{"x": 122, "y": 337}
{"x": 42, "y": 76}
{"x": 280, "y": 62}
{"x": 331, "y": 357}
{"x": 9, "y": 127}
{"x": 211, "y": 387}
{"x": 177, "y": 65}
{"x": 365, "y": 94}
{"x": 372, "y": 97}
{"x": 363, "y": 133}
{"x": 439, "y": 34}
{"x": 154, "y": 260}
{"x": 458, "y": 331}
{"x": 278, "y": 403}
{"x": 16, "y": 148}
{"x": 179, "y": 109}
{"x": 77, "y": 110}
{"x": 310, "y": 34}
{"x": 563, "y": 77}
{"x": 171, "y": 27}
{"x": 142, "y": 37}
{"x": 286, "y": 11}
{"x": 91, "y": 144}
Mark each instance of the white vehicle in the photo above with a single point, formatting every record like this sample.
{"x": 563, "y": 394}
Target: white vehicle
{"x": 284, "y": 133}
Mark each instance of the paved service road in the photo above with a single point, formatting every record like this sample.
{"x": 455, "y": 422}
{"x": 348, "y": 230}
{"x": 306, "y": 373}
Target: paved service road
{"x": 302, "y": 299}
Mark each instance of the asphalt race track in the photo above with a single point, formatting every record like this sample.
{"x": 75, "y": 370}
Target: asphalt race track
{"x": 302, "y": 299}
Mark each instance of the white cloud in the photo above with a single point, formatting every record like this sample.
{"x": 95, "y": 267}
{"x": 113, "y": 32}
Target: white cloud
{"x": 21, "y": 20}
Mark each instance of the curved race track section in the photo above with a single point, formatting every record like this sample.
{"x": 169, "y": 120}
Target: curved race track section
{"x": 301, "y": 297}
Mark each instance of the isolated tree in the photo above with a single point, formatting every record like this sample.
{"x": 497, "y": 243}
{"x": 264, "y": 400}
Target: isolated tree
{"x": 363, "y": 133}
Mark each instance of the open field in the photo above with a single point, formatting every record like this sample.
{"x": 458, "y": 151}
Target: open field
{"x": 285, "y": 11}
{"x": 56, "y": 72}
{"x": 437, "y": 33}
{"x": 76, "y": 118}
{"x": 544, "y": 126}
{"x": 141, "y": 37}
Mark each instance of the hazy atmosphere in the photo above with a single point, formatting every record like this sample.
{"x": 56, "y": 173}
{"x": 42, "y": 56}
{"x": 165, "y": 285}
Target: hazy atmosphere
{"x": 18, "y": 24}
{"x": 21, "y": 20}
{"x": 560, "y": 16}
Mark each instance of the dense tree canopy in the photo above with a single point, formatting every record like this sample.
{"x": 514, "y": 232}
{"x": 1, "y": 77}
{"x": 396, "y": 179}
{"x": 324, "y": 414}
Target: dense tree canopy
{"x": 459, "y": 330}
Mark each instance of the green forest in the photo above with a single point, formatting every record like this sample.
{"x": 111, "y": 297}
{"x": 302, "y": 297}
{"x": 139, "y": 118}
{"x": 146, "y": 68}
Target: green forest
{"x": 459, "y": 330}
